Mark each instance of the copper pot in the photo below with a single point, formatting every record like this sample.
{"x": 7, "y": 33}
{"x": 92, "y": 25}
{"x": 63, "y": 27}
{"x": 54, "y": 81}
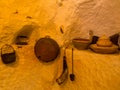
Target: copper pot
{"x": 46, "y": 49}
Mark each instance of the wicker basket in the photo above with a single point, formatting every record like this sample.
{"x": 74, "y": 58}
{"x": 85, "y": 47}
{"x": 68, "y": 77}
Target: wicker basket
{"x": 81, "y": 43}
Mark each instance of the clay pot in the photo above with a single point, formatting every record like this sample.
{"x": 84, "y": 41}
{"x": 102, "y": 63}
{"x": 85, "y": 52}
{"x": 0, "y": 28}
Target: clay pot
{"x": 94, "y": 40}
{"x": 114, "y": 38}
{"x": 81, "y": 43}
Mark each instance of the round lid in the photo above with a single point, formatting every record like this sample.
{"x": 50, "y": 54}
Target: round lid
{"x": 46, "y": 49}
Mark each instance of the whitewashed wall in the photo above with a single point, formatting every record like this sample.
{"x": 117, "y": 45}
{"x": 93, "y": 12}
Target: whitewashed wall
{"x": 76, "y": 17}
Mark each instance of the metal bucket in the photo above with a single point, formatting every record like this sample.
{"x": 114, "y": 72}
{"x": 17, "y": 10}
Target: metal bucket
{"x": 8, "y": 54}
{"x": 46, "y": 49}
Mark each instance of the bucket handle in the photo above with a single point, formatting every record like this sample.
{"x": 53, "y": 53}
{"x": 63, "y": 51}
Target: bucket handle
{"x": 8, "y": 46}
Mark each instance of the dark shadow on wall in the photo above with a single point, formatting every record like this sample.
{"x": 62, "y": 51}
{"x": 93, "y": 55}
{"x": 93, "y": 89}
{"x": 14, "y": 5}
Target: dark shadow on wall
{"x": 23, "y": 35}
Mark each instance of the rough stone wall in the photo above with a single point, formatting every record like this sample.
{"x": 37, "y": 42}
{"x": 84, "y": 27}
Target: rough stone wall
{"x": 76, "y": 17}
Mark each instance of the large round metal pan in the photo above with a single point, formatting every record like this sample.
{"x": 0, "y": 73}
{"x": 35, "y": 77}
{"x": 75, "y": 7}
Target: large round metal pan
{"x": 46, "y": 49}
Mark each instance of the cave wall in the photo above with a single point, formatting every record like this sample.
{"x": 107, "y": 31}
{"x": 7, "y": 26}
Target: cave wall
{"x": 76, "y": 18}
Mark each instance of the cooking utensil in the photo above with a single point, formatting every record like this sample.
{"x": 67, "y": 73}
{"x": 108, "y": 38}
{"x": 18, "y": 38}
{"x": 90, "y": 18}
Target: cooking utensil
{"x": 119, "y": 41}
{"x": 81, "y": 43}
{"x": 46, "y": 49}
{"x": 8, "y": 54}
{"x": 114, "y": 38}
{"x": 72, "y": 76}
{"x": 94, "y": 39}
{"x": 64, "y": 73}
